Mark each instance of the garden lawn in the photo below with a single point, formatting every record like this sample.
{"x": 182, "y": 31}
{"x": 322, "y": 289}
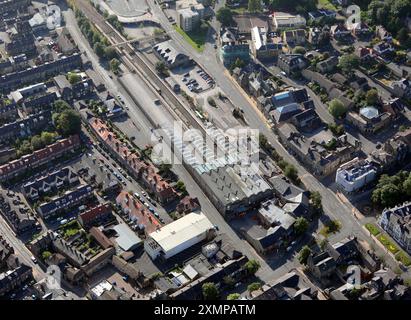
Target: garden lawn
{"x": 373, "y": 229}
{"x": 195, "y": 39}
{"x": 388, "y": 244}
{"x": 403, "y": 258}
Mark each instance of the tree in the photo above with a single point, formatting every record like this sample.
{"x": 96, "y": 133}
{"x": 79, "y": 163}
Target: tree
{"x": 73, "y": 77}
{"x": 348, "y": 63}
{"x": 114, "y": 65}
{"x": 371, "y": 97}
{"x": 46, "y": 255}
{"x": 301, "y": 225}
{"x": 291, "y": 172}
{"x": 402, "y": 35}
{"x": 61, "y": 105}
{"x": 225, "y": 16}
{"x": 161, "y": 68}
{"x": 336, "y": 108}
{"x": 229, "y": 281}
{"x": 254, "y": 286}
{"x": 299, "y": 50}
{"x": 210, "y": 291}
{"x": 181, "y": 187}
{"x": 67, "y": 122}
{"x": 164, "y": 168}
{"x": 252, "y": 266}
{"x": 316, "y": 201}
{"x": 47, "y": 137}
{"x": 99, "y": 49}
{"x": 407, "y": 186}
{"x": 388, "y": 195}
{"x": 233, "y": 296}
{"x": 36, "y": 143}
{"x": 110, "y": 53}
{"x": 304, "y": 254}
{"x": 254, "y": 6}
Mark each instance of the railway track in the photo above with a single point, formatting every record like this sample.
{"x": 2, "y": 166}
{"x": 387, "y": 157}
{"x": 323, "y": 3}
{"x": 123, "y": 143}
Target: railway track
{"x": 138, "y": 61}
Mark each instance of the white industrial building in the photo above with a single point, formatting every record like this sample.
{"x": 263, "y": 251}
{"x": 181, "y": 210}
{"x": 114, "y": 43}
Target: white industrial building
{"x": 355, "y": 174}
{"x": 178, "y": 236}
{"x": 283, "y": 21}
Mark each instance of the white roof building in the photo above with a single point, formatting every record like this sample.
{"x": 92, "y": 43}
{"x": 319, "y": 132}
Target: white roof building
{"x": 283, "y": 20}
{"x": 355, "y": 174}
{"x": 178, "y": 236}
{"x": 127, "y": 240}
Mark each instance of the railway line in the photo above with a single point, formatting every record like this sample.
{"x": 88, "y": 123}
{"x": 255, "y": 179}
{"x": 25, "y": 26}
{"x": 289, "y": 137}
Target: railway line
{"x": 135, "y": 60}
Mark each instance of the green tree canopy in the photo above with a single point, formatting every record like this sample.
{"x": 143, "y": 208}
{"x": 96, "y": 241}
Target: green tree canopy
{"x": 291, "y": 172}
{"x": 316, "y": 200}
{"x": 67, "y": 122}
{"x": 225, "y": 16}
{"x": 301, "y": 225}
{"x": 348, "y": 63}
{"x": 233, "y": 296}
{"x": 254, "y": 286}
{"x": 336, "y": 108}
{"x": 254, "y": 6}
{"x": 371, "y": 97}
{"x": 46, "y": 254}
{"x": 114, "y": 65}
{"x": 304, "y": 254}
{"x": 36, "y": 143}
{"x": 47, "y": 137}
{"x": 61, "y": 105}
{"x": 299, "y": 50}
{"x": 110, "y": 53}
{"x": 252, "y": 266}
{"x": 99, "y": 49}
{"x": 392, "y": 190}
{"x": 73, "y": 77}
{"x": 210, "y": 291}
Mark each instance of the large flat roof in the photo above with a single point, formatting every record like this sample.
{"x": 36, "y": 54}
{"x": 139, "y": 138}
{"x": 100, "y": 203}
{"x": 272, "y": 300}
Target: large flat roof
{"x": 126, "y": 239}
{"x": 181, "y": 230}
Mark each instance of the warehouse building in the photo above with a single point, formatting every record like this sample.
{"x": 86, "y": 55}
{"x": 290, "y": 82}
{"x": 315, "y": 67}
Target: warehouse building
{"x": 179, "y": 236}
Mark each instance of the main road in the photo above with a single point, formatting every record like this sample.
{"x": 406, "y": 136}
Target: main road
{"x": 334, "y": 207}
{"x": 139, "y": 97}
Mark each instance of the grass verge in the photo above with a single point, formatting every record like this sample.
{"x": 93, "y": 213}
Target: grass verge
{"x": 195, "y": 39}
